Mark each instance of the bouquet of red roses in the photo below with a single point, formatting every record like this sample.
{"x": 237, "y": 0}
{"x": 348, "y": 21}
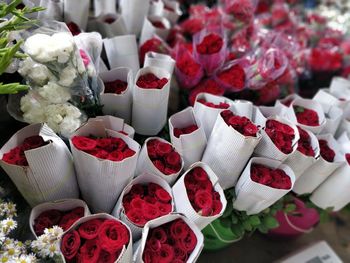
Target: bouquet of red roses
{"x": 36, "y": 159}
{"x": 155, "y": 25}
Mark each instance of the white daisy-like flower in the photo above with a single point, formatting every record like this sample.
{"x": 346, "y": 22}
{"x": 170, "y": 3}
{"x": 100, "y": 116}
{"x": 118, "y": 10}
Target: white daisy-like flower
{"x": 4, "y": 259}
{"x": 55, "y": 231}
{"x": 9, "y": 224}
{"x": 26, "y": 259}
{"x": 11, "y": 209}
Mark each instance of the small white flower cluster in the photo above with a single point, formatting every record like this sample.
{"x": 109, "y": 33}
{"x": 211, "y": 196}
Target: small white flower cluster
{"x": 47, "y": 245}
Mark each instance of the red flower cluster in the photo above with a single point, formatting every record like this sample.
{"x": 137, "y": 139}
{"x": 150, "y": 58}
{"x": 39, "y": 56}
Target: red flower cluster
{"x": 347, "y": 157}
{"x": 201, "y": 193}
{"x": 146, "y": 202}
{"x": 241, "y": 124}
{"x": 207, "y": 86}
{"x": 241, "y": 10}
{"x": 221, "y": 105}
{"x": 187, "y": 130}
{"x": 211, "y": 44}
{"x": 275, "y": 178}
{"x": 306, "y": 116}
{"x": 74, "y": 28}
{"x": 233, "y": 76}
{"x": 54, "y": 217}
{"x": 171, "y": 242}
{"x": 304, "y": 143}
{"x": 326, "y": 152}
{"x": 16, "y": 155}
{"x": 117, "y": 86}
{"x": 158, "y": 24}
{"x": 164, "y": 157}
{"x": 281, "y": 134}
{"x": 97, "y": 240}
{"x": 114, "y": 149}
{"x": 187, "y": 65}
{"x": 322, "y": 59}
{"x": 151, "y": 81}
{"x": 192, "y": 26}
{"x": 153, "y": 44}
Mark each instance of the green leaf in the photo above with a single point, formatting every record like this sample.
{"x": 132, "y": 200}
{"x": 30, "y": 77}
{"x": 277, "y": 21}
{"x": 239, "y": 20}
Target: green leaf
{"x": 228, "y": 210}
{"x": 12, "y": 88}
{"x": 238, "y": 230}
{"x": 254, "y": 220}
{"x": 234, "y": 219}
{"x": 263, "y": 229}
{"x": 298, "y": 109}
{"x": 290, "y": 208}
{"x": 247, "y": 226}
{"x": 270, "y": 222}
{"x": 226, "y": 222}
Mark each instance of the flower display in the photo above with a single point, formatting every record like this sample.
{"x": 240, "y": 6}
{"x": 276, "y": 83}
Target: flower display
{"x": 281, "y": 134}
{"x": 275, "y": 178}
{"x": 117, "y": 86}
{"x": 150, "y": 81}
{"x": 241, "y": 124}
{"x": 326, "y": 152}
{"x": 306, "y": 116}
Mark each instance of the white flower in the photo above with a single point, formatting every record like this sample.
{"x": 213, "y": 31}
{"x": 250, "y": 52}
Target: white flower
{"x": 69, "y": 125}
{"x": 26, "y": 259}
{"x": 36, "y": 46}
{"x": 54, "y": 93}
{"x": 38, "y": 73}
{"x": 67, "y": 76}
{"x": 47, "y": 245}
{"x": 8, "y": 223}
{"x": 65, "y": 47}
{"x": 32, "y": 108}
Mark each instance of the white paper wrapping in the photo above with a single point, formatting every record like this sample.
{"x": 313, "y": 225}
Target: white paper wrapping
{"x": 143, "y": 179}
{"x": 149, "y": 30}
{"x": 334, "y": 116}
{"x": 344, "y": 125}
{"x": 109, "y": 30}
{"x": 53, "y": 10}
{"x": 344, "y": 143}
{"x": 163, "y": 61}
{"x": 102, "y": 7}
{"x": 334, "y": 191}
{"x": 145, "y": 165}
{"x": 134, "y": 13}
{"x": 222, "y": 148}
{"x": 320, "y": 170}
{"x": 156, "y": 8}
{"x": 340, "y": 86}
{"x": 114, "y": 124}
{"x": 122, "y": 51}
{"x": 101, "y": 181}
{"x": 253, "y": 197}
{"x": 324, "y": 96}
{"x": 76, "y": 11}
{"x": 50, "y": 175}
{"x": 183, "y": 204}
{"x": 299, "y": 162}
{"x": 150, "y": 106}
{"x": 118, "y": 104}
{"x": 207, "y": 115}
{"x": 190, "y": 146}
{"x": 280, "y": 110}
{"x": 172, "y": 16}
{"x": 126, "y": 253}
{"x": 61, "y": 205}
{"x": 266, "y": 147}
{"x": 166, "y": 219}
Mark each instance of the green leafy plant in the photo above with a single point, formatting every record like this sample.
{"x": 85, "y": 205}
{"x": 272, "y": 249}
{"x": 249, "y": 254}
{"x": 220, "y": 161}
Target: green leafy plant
{"x": 12, "y": 19}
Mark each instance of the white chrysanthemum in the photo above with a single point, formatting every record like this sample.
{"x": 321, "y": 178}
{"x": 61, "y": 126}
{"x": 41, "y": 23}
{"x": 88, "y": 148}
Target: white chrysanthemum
{"x": 33, "y": 109}
{"x": 11, "y": 250}
{"x": 65, "y": 45}
{"x": 4, "y": 258}
{"x": 69, "y": 125}
{"x": 55, "y": 231}
{"x": 67, "y": 76}
{"x": 36, "y": 47}
{"x": 54, "y": 93}
{"x": 38, "y": 73}
{"x": 26, "y": 259}
{"x": 8, "y": 224}
{"x": 11, "y": 210}
{"x": 2, "y": 237}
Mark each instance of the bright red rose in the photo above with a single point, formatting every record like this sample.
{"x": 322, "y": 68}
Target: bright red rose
{"x": 306, "y": 116}
{"x": 151, "y": 81}
{"x": 192, "y": 25}
{"x": 186, "y": 130}
{"x": 281, "y": 135}
{"x": 233, "y": 78}
{"x": 241, "y": 124}
{"x": 322, "y": 59}
{"x": 275, "y": 178}
{"x": 304, "y": 143}
{"x": 68, "y": 219}
{"x": 155, "y": 45}
{"x": 89, "y": 229}
{"x": 208, "y": 86}
{"x": 117, "y": 86}
{"x": 113, "y": 235}
{"x": 90, "y": 251}
{"x": 326, "y": 152}
{"x": 70, "y": 244}
{"x": 211, "y": 44}
{"x": 187, "y": 65}
{"x": 221, "y": 105}
{"x": 84, "y": 143}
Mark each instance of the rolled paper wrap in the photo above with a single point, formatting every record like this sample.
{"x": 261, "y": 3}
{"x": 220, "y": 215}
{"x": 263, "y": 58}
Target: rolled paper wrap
{"x": 115, "y": 124}
{"x": 77, "y": 12}
{"x": 344, "y": 125}
{"x": 118, "y": 105}
{"x": 149, "y": 30}
{"x": 340, "y": 87}
{"x": 183, "y": 204}
{"x": 320, "y": 170}
{"x": 150, "y": 106}
{"x": 109, "y": 25}
{"x": 324, "y": 96}
{"x": 156, "y": 8}
{"x": 134, "y": 13}
{"x": 53, "y": 10}
{"x": 253, "y": 197}
{"x": 102, "y": 7}
{"x": 50, "y": 173}
{"x": 101, "y": 181}
{"x": 172, "y": 11}
{"x": 190, "y": 146}
{"x": 334, "y": 116}
{"x": 153, "y": 59}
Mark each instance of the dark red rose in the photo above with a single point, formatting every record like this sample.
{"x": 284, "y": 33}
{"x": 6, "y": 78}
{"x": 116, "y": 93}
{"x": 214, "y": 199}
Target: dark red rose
{"x": 116, "y": 156}
{"x": 347, "y": 157}
{"x": 107, "y": 257}
{"x": 306, "y": 116}
{"x": 241, "y": 124}
{"x": 166, "y": 254}
{"x": 163, "y": 195}
{"x": 323, "y": 59}
{"x": 211, "y": 44}
{"x": 221, "y": 105}
{"x": 33, "y": 142}
{"x": 304, "y": 143}
{"x": 186, "y": 130}
{"x": 79, "y": 211}
{"x": 275, "y": 178}
{"x": 159, "y": 234}
{"x": 208, "y": 86}
{"x": 151, "y": 81}
{"x": 70, "y": 244}
{"x": 117, "y": 86}
{"x": 151, "y": 211}
{"x": 179, "y": 229}
{"x": 40, "y": 224}
{"x": 113, "y": 235}
{"x": 90, "y": 251}
{"x": 281, "y": 135}
{"x": 89, "y": 229}
{"x": 192, "y": 25}
{"x": 189, "y": 242}
{"x": 53, "y": 214}
{"x": 74, "y": 28}
{"x": 202, "y": 199}
{"x": 163, "y": 208}
{"x": 326, "y": 152}
{"x": 68, "y": 219}
{"x": 233, "y": 77}
{"x": 187, "y": 65}
{"x": 155, "y": 45}
{"x": 163, "y": 149}
{"x": 135, "y": 216}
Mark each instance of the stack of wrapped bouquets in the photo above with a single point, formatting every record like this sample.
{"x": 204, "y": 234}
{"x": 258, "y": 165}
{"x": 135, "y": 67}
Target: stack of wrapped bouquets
{"x": 112, "y": 176}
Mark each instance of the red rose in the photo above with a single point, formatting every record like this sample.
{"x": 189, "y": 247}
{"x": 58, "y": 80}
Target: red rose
{"x": 306, "y": 116}
{"x": 211, "y": 44}
{"x": 53, "y": 215}
{"x": 158, "y": 24}
{"x": 70, "y": 244}
{"x": 187, "y": 65}
{"x": 136, "y": 216}
{"x": 33, "y": 142}
{"x": 102, "y": 154}
{"x": 68, "y": 219}
{"x": 40, "y": 224}
{"x": 166, "y": 254}
{"x": 202, "y": 199}
{"x": 326, "y": 152}
{"x": 150, "y": 211}
{"x": 119, "y": 144}
{"x": 159, "y": 234}
{"x": 192, "y": 25}
{"x": 89, "y": 229}
{"x": 154, "y": 244}
{"x": 117, "y": 86}
{"x": 155, "y": 45}
{"x": 180, "y": 254}
{"x": 107, "y": 257}
{"x": 116, "y": 156}
{"x": 241, "y": 124}
{"x": 281, "y": 135}
{"x": 221, "y": 105}
{"x": 207, "y": 86}
{"x": 179, "y": 229}
{"x": 84, "y": 143}
{"x": 163, "y": 195}
{"x": 74, "y": 28}
{"x": 163, "y": 148}
{"x": 79, "y": 211}
{"x": 304, "y": 143}
{"x": 163, "y": 208}
{"x": 159, "y": 165}
{"x": 173, "y": 159}
{"x": 325, "y": 59}
{"x": 189, "y": 242}
{"x": 151, "y": 81}
{"x": 113, "y": 235}
{"x": 128, "y": 153}
{"x": 275, "y": 178}
{"x": 199, "y": 175}
{"x": 241, "y": 10}
{"x": 187, "y": 130}
{"x": 90, "y": 251}
{"x": 233, "y": 77}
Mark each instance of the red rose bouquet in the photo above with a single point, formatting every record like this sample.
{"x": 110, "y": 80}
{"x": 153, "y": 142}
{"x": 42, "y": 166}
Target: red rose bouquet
{"x": 154, "y": 44}
{"x": 36, "y": 159}
{"x": 242, "y": 11}
{"x": 262, "y": 183}
{"x": 160, "y": 158}
{"x": 145, "y": 198}
{"x": 232, "y": 76}
{"x": 204, "y": 200}
{"x": 330, "y": 159}
{"x": 226, "y": 140}
{"x": 150, "y": 100}
{"x": 155, "y": 25}
{"x": 187, "y": 135}
{"x": 105, "y": 163}
{"x": 206, "y": 86}
{"x": 171, "y": 238}
{"x": 97, "y": 238}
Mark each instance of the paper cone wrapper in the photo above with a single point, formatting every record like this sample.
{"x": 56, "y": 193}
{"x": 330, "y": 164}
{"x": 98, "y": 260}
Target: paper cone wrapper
{"x": 190, "y": 146}
{"x": 118, "y": 105}
{"x": 122, "y": 51}
{"x": 334, "y": 192}
{"x": 61, "y": 205}
{"x": 207, "y": 115}
{"x": 221, "y": 152}
{"x": 102, "y": 7}
{"x": 324, "y": 96}
{"x": 153, "y": 59}
{"x": 110, "y": 30}
{"x": 280, "y": 110}
{"x": 76, "y": 11}
{"x": 253, "y": 197}
{"x": 126, "y": 253}
{"x": 150, "y": 106}
{"x": 166, "y": 219}
{"x": 114, "y": 124}
{"x": 149, "y": 30}
{"x": 119, "y": 211}
{"x": 290, "y": 98}
{"x": 334, "y": 116}
{"x": 320, "y": 170}
{"x": 102, "y": 67}
{"x": 340, "y": 86}
{"x": 134, "y": 13}
{"x": 145, "y": 165}
{"x": 156, "y": 8}
{"x": 300, "y": 162}
{"x": 344, "y": 143}
{"x": 183, "y": 204}
{"x": 266, "y": 147}
{"x": 101, "y": 181}
{"x": 344, "y": 125}
{"x": 50, "y": 175}
{"x": 172, "y": 16}
{"x": 312, "y": 105}
{"x": 53, "y": 10}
